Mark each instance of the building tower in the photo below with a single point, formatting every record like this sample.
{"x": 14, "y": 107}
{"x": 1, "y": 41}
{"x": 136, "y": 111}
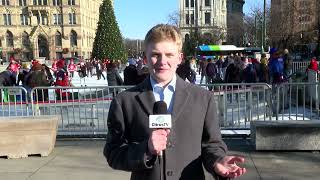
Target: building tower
{"x": 235, "y": 22}
{"x": 206, "y": 16}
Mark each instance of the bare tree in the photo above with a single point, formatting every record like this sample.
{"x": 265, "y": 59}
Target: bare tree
{"x": 134, "y": 47}
{"x": 174, "y": 18}
{"x": 287, "y": 28}
{"x": 253, "y": 26}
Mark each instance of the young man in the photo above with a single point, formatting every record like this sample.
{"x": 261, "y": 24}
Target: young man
{"x": 194, "y": 138}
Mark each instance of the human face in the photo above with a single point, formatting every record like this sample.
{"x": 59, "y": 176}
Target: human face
{"x": 163, "y": 59}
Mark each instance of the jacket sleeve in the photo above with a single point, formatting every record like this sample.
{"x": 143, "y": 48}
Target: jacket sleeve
{"x": 118, "y": 78}
{"x": 213, "y": 148}
{"x": 119, "y": 152}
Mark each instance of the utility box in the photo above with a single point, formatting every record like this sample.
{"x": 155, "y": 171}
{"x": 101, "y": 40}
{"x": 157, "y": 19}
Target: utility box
{"x": 23, "y": 136}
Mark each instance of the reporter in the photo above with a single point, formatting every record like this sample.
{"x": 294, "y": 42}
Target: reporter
{"x": 194, "y": 139}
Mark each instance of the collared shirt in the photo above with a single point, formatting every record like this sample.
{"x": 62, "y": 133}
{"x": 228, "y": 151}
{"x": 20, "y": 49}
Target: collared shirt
{"x": 164, "y": 94}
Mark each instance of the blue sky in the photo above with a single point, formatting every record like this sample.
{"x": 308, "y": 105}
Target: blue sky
{"x": 136, "y": 17}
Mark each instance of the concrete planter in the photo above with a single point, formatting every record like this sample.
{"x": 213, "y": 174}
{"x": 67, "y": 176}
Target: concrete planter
{"x": 23, "y": 136}
{"x": 286, "y": 135}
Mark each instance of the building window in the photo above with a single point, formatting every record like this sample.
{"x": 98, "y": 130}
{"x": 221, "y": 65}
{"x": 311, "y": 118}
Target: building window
{"x": 24, "y": 19}
{"x": 72, "y": 18}
{"x": 71, "y": 2}
{"x": 58, "y": 39}
{"x": 44, "y": 19}
{"x": 193, "y": 2}
{"x": 22, "y": 2}
{"x": 192, "y": 18}
{"x": 57, "y": 19}
{"x": 38, "y": 18}
{"x": 9, "y": 39}
{"x": 73, "y": 38}
{"x": 207, "y": 18}
{"x": 207, "y": 2}
{"x": 5, "y": 3}
{"x": 25, "y": 39}
{"x": 56, "y": 2}
{"x": 187, "y": 19}
{"x": 7, "y": 19}
{"x": 40, "y": 2}
{"x": 187, "y": 3}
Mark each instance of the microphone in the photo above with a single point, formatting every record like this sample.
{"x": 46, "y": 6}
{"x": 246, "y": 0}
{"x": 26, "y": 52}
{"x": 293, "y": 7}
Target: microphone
{"x": 160, "y": 118}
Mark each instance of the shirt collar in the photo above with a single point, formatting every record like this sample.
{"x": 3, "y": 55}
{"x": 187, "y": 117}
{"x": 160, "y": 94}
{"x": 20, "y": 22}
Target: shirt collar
{"x": 171, "y": 86}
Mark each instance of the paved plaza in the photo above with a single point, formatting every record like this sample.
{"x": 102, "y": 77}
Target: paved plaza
{"x": 83, "y": 160}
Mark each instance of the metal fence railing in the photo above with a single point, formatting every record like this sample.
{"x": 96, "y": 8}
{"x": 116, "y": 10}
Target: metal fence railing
{"x": 14, "y": 101}
{"x": 300, "y": 66}
{"x": 239, "y": 104}
{"x": 84, "y": 110}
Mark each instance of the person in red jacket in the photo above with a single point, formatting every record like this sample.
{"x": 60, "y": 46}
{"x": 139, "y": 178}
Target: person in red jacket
{"x": 13, "y": 67}
{"x": 62, "y": 79}
{"x": 71, "y": 68}
{"x": 313, "y": 65}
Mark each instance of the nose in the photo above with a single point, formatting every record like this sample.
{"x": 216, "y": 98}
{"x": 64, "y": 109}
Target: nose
{"x": 162, "y": 60}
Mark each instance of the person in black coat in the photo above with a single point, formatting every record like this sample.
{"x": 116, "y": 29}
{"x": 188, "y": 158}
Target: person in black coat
{"x": 130, "y": 73}
{"x": 113, "y": 78}
{"x": 194, "y": 140}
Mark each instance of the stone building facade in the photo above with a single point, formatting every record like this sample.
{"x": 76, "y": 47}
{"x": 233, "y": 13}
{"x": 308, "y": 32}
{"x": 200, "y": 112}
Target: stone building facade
{"x": 48, "y": 28}
{"x": 206, "y": 16}
{"x": 296, "y": 21}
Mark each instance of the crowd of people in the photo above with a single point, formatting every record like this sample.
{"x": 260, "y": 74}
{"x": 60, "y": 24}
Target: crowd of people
{"x": 61, "y": 73}
{"x": 234, "y": 68}
{"x": 239, "y": 68}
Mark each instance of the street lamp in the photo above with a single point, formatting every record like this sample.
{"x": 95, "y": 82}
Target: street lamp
{"x": 264, "y": 32}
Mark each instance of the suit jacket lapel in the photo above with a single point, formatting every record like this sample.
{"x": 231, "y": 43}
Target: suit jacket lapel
{"x": 181, "y": 98}
{"x": 146, "y": 97}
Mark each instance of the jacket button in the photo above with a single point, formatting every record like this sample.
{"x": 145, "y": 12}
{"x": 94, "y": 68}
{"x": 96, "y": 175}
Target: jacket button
{"x": 169, "y": 173}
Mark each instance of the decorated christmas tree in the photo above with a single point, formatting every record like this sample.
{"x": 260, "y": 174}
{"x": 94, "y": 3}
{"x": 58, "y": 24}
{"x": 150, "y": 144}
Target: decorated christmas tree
{"x": 108, "y": 43}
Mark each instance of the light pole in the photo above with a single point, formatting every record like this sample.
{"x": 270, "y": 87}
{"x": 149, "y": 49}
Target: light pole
{"x": 264, "y": 31}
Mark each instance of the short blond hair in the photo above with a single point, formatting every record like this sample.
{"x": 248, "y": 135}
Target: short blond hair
{"x": 162, "y": 32}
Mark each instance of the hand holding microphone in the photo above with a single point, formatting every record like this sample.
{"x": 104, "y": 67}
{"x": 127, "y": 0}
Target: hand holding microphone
{"x": 158, "y": 141}
{"x": 160, "y": 121}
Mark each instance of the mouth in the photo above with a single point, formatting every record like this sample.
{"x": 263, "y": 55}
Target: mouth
{"x": 160, "y": 70}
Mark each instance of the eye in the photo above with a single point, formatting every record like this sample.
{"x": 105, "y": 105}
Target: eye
{"x": 154, "y": 55}
{"x": 170, "y": 55}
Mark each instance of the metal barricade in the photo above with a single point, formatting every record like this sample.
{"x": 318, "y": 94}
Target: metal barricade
{"x": 295, "y": 101}
{"x": 300, "y": 66}
{"x": 239, "y": 104}
{"x": 14, "y": 101}
{"x": 83, "y": 110}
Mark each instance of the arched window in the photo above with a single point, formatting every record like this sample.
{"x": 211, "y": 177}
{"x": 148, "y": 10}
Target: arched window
{"x": 25, "y": 39}
{"x": 186, "y": 37}
{"x": 58, "y": 39}
{"x": 9, "y": 39}
{"x": 73, "y": 38}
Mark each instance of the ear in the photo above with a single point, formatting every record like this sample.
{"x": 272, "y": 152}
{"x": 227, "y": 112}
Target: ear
{"x": 181, "y": 56}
